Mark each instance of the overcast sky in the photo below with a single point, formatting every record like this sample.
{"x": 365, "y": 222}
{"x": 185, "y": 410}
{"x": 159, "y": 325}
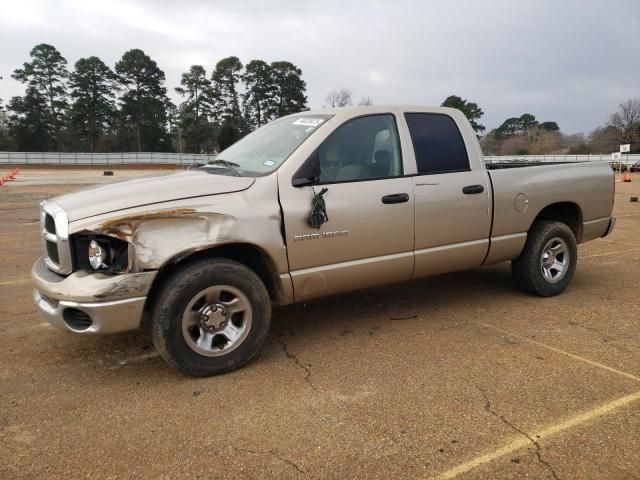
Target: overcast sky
{"x": 568, "y": 61}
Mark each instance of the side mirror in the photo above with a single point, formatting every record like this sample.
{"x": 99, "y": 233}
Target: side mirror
{"x": 304, "y": 181}
{"x": 309, "y": 173}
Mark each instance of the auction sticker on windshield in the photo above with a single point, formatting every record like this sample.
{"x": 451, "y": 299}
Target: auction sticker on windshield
{"x": 309, "y": 122}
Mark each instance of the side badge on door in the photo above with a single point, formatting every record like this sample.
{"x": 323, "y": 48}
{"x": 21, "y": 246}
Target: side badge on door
{"x": 320, "y": 236}
{"x": 318, "y": 213}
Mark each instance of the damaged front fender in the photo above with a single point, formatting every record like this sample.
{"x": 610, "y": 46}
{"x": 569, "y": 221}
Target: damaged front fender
{"x": 165, "y": 233}
{"x": 157, "y": 236}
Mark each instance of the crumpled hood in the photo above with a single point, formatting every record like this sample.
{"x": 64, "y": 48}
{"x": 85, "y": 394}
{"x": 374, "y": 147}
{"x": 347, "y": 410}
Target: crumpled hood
{"x": 148, "y": 191}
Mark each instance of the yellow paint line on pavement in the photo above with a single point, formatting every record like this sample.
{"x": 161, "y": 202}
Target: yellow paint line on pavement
{"x": 19, "y": 281}
{"x": 562, "y": 352}
{"x": 540, "y": 435}
{"x": 621, "y": 243}
{"x": 610, "y": 253}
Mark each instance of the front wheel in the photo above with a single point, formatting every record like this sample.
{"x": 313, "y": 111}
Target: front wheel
{"x": 548, "y": 261}
{"x": 210, "y": 317}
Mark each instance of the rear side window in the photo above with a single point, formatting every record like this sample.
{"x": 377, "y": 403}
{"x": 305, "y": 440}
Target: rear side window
{"x": 437, "y": 143}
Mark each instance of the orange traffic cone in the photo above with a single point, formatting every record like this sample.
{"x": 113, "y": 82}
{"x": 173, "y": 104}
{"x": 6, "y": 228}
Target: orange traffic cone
{"x": 626, "y": 177}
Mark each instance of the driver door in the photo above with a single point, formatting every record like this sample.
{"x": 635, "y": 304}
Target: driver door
{"x": 367, "y": 239}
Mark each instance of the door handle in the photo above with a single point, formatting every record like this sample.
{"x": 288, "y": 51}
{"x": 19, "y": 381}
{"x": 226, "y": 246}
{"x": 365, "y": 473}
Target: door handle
{"x": 471, "y": 189}
{"x": 395, "y": 198}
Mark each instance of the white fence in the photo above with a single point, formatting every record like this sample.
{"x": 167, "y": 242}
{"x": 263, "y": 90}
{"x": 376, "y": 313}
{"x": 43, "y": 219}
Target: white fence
{"x": 626, "y": 158}
{"x": 146, "y": 158}
{"x": 129, "y": 158}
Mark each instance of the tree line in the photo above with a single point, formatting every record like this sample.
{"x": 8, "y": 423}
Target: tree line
{"x": 525, "y": 135}
{"x": 95, "y": 108}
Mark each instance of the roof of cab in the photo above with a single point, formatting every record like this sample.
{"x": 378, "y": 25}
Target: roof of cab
{"x": 364, "y": 110}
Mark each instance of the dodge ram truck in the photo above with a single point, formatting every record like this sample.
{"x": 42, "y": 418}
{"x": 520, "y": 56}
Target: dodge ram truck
{"x": 310, "y": 205}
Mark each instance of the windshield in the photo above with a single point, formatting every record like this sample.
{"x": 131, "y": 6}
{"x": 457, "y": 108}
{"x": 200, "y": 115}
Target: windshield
{"x": 264, "y": 150}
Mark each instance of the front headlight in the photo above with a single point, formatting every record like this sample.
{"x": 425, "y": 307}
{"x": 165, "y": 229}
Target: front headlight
{"x": 98, "y": 257}
{"x": 100, "y": 253}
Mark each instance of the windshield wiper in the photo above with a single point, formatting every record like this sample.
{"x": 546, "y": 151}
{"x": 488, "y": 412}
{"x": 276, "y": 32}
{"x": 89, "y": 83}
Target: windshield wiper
{"x": 230, "y": 165}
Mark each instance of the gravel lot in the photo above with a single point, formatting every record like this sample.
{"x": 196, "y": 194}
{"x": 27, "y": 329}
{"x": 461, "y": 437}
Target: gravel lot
{"x": 454, "y": 376}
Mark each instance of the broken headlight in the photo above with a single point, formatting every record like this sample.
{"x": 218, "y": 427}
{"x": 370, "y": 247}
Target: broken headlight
{"x": 100, "y": 253}
{"x": 98, "y": 257}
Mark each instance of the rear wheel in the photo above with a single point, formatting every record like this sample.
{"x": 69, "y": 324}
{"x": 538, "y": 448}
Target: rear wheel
{"x": 211, "y": 317}
{"x": 548, "y": 261}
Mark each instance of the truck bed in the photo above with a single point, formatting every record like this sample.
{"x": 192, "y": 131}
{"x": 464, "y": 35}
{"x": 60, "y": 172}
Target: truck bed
{"x": 589, "y": 186}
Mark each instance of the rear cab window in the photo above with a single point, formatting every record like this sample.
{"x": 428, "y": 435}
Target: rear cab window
{"x": 437, "y": 143}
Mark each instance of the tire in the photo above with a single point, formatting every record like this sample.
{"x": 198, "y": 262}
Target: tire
{"x": 210, "y": 317}
{"x": 548, "y": 261}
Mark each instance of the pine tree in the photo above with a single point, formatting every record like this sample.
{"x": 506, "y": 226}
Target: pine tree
{"x": 173, "y": 122}
{"x": 226, "y": 78}
{"x": 5, "y": 141}
{"x": 93, "y": 109}
{"x": 143, "y": 106}
{"x": 196, "y": 109}
{"x": 226, "y": 107}
{"x": 289, "y": 88}
{"x": 471, "y": 110}
{"x": 259, "y": 92}
{"x": 46, "y": 80}
{"x": 29, "y": 122}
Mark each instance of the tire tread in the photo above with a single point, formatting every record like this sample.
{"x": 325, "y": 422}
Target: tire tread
{"x": 525, "y": 269}
{"x": 179, "y": 287}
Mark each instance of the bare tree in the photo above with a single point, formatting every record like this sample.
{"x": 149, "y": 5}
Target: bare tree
{"x": 626, "y": 120}
{"x": 340, "y": 97}
{"x": 364, "y": 101}
{"x": 546, "y": 143}
{"x": 604, "y": 140}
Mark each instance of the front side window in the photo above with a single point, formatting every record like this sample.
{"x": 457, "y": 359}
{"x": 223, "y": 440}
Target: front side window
{"x": 437, "y": 143}
{"x": 364, "y": 148}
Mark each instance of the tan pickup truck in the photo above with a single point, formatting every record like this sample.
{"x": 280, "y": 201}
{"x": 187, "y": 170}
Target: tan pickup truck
{"x": 310, "y": 205}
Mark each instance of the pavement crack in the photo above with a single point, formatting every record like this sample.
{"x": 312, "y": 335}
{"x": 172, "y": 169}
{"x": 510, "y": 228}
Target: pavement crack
{"x": 274, "y": 454}
{"x": 536, "y": 444}
{"x": 292, "y": 356}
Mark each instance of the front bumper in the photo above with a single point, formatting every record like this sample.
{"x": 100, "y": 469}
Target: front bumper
{"x": 103, "y": 317}
{"x": 90, "y": 302}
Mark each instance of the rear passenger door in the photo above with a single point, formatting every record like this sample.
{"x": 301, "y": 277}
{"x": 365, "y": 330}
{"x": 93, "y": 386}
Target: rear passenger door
{"x": 452, "y": 201}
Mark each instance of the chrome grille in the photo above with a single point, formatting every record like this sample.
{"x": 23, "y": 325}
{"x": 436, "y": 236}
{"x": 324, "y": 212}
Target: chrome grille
{"x": 52, "y": 252}
{"x": 55, "y": 238}
{"x": 49, "y": 224}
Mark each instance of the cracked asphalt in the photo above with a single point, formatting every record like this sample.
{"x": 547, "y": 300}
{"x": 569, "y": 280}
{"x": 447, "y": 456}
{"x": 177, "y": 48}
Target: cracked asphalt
{"x": 454, "y": 376}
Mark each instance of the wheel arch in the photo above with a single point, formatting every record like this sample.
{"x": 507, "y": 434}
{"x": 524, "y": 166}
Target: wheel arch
{"x": 249, "y": 255}
{"x": 568, "y": 213}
